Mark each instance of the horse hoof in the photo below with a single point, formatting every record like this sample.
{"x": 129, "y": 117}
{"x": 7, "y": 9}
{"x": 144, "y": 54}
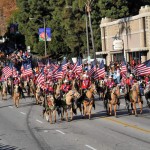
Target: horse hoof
{"x": 136, "y": 115}
{"x": 116, "y": 116}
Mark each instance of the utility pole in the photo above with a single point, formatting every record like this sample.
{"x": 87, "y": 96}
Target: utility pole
{"x": 88, "y": 10}
{"x": 87, "y": 37}
{"x": 45, "y": 35}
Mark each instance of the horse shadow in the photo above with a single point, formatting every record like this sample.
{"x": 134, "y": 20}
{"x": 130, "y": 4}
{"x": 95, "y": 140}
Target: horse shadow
{"x": 120, "y": 113}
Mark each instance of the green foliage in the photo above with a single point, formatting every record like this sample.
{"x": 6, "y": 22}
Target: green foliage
{"x": 114, "y": 8}
{"x": 66, "y": 18}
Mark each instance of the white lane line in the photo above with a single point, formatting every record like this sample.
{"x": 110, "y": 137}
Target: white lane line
{"x": 39, "y": 121}
{"x": 10, "y": 106}
{"x": 45, "y": 131}
{"x": 60, "y": 131}
{"x": 23, "y": 113}
{"x": 90, "y": 147}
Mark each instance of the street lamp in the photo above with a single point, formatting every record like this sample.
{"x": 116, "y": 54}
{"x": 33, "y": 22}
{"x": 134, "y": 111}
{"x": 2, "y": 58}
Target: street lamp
{"x": 44, "y": 22}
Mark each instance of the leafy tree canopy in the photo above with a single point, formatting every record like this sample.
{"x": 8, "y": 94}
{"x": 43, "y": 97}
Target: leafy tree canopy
{"x": 66, "y": 18}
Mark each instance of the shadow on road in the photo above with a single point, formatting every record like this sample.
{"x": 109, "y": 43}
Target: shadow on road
{"x": 8, "y": 147}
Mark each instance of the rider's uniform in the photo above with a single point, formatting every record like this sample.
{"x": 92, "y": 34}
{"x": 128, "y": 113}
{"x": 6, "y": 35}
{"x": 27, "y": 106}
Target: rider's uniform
{"x": 16, "y": 81}
{"x": 85, "y": 84}
{"x": 50, "y": 88}
{"x": 110, "y": 84}
{"x": 65, "y": 88}
{"x": 71, "y": 76}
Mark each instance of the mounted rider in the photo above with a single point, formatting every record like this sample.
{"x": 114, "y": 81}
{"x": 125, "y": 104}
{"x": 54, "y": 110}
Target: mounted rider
{"x": 85, "y": 83}
{"x": 110, "y": 82}
{"x": 50, "y": 87}
{"x": 65, "y": 87}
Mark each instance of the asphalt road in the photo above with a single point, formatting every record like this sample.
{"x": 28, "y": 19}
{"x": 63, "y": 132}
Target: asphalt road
{"x": 24, "y": 128}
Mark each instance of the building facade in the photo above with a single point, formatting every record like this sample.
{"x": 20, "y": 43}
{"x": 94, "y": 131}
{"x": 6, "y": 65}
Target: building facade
{"x": 134, "y": 32}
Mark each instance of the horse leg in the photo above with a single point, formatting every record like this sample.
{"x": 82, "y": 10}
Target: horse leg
{"x": 50, "y": 116}
{"x": 62, "y": 113}
{"x": 18, "y": 102}
{"x": 115, "y": 110}
{"x": 134, "y": 107}
{"x": 127, "y": 105}
{"x": 71, "y": 113}
{"x": 37, "y": 99}
{"x": 90, "y": 109}
{"x": 141, "y": 107}
{"x": 99, "y": 96}
{"x": 110, "y": 109}
{"x": 54, "y": 112}
{"x": 85, "y": 109}
{"x": 66, "y": 112}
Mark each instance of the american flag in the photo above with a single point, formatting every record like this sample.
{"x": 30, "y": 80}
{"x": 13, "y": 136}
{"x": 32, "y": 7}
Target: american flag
{"x": 64, "y": 65}
{"x": 123, "y": 68}
{"x": 100, "y": 72}
{"x": 74, "y": 67}
{"x": 27, "y": 70}
{"x": 7, "y": 71}
{"x": 93, "y": 68}
{"x": 144, "y": 68}
{"x": 59, "y": 73}
{"x": 40, "y": 79}
{"x": 71, "y": 64}
{"x": 79, "y": 66}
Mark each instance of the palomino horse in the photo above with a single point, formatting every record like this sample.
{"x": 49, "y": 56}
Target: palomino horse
{"x": 71, "y": 103}
{"x": 38, "y": 94}
{"x": 115, "y": 93}
{"x": 135, "y": 97}
{"x": 50, "y": 108}
{"x": 147, "y": 94}
{"x": 16, "y": 95}
{"x": 88, "y": 100}
{"x": 4, "y": 90}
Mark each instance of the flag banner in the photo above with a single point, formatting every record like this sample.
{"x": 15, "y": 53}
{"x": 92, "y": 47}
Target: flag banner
{"x": 42, "y": 34}
{"x": 144, "y": 68}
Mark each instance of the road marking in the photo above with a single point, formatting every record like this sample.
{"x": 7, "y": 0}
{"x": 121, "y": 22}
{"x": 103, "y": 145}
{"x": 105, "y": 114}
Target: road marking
{"x": 39, "y": 121}
{"x": 60, "y": 131}
{"x": 90, "y": 147}
{"x": 45, "y": 131}
{"x": 23, "y": 113}
{"x": 10, "y": 106}
{"x": 127, "y": 125}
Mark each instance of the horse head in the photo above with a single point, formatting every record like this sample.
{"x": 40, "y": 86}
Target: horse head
{"x": 76, "y": 94}
{"x": 92, "y": 88}
{"x": 50, "y": 100}
{"x": 116, "y": 90}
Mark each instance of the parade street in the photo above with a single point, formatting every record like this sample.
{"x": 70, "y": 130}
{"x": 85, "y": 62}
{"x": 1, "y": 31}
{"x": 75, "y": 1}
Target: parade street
{"x": 24, "y": 128}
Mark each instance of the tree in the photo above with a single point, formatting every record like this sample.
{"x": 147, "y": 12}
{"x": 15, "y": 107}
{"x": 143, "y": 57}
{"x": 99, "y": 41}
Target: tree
{"x": 114, "y": 8}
